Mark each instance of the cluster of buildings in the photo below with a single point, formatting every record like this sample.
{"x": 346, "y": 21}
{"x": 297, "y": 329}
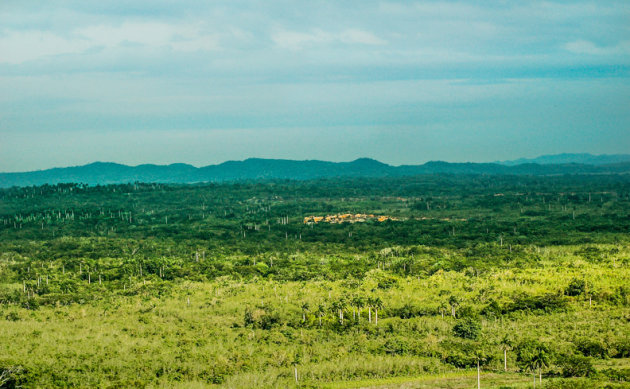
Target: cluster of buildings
{"x": 346, "y": 218}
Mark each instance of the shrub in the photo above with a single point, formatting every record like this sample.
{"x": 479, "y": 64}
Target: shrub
{"x": 396, "y": 346}
{"x": 574, "y": 383}
{"x": 467, "y": 311}
{"x": 467, "y": 328}
{"x": 461, "y": 360}
{"x": 591, "y": 348}
{"x": 260, "y": 318}
{"x": 622, "y": 348}
{"x": 493, "y": 309}
{"x": 546, "y": 303}
{"x": 575, "y": 288}
{"x": 620, "y": 375}
{"x": 10, "y": 376}
{"x": 576, "y": 366}
{"x": 13, "y": 316}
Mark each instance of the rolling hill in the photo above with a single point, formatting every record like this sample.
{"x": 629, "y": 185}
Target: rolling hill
{"x": 102, "y": 173}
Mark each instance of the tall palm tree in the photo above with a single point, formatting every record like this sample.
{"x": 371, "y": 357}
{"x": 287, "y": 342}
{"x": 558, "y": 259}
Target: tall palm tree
{"x": 339, "y": 306}
{"x": 304, "y": 311}
{"x": 540, "y": 360}
{"x": 321, "y": 311}
{"x": 537, "y": 360}
{"x": 443, "y": 307}
{"x": 376, "y": 303}
{"x": 481, "y": 358}
{"x": 358, "y": 302}
{"x": 454, "y": 303}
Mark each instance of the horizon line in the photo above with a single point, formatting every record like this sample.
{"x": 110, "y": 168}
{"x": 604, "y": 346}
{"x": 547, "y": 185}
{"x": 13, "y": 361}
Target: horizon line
{"x": 524, "y": 159}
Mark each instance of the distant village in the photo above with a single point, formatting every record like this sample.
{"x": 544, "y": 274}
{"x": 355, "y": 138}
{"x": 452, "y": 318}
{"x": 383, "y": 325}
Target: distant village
{"x": 346, "y": 218}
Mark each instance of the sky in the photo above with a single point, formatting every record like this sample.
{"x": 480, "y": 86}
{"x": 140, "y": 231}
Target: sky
{"x": 202, "y": 82}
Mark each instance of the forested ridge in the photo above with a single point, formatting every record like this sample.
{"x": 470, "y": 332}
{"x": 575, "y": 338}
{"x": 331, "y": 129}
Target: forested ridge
{"x": 104, "y": 173}
{"x": 520, "y": 278}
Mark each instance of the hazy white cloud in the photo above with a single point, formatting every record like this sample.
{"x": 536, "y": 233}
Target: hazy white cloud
{"x": 22, "y": 46}
{"x": 361, "y": 37}
{"x": 298, "y": 40}
{"x": 586, "y": 47}
{"x": 184, "y": 37}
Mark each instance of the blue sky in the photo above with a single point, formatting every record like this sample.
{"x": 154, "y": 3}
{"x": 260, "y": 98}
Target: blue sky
{"x": 403, "y": 82}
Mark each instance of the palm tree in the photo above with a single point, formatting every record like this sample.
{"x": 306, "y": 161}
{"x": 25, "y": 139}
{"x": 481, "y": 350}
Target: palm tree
{"x": 338, "y": 306}
{"x": 506, "y": 343}
{"x": 481, "y": 358}
{"x": 321, "y": 311}
{"x": 454, "y": 303}
{"x": 537, "y": 359}
{"x": 358, "y": 302}
{"x": 540, "y": 360}
{"x": 304, "y": 311}
{"x": 529, "y": 365}
{"x": 377, "y": 303}
{"x": 443, "y": 307}
{"x": 369, "y": 302}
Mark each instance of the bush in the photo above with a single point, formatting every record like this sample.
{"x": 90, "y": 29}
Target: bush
{"x": 575, "y": 383}
{"x": 30, "y": 303}
{"x": 620, "y": 375}
{"x": 575, "y": 288}
{"x": 396, "y": 346}
{"x": 461, "y": 360}
{"x": 407, "y": 311}
{"x": 493, "y": 309}
{"x": 13, "y": 316}
{"x": 622, "y": 348}
{"x": 467, "y": 328}
{"x": 10, "y": 376}
{"x": 546, "y": 303}
{"x": 591, "y": 348}
{"x": 467, "y": 311}
{"x": 261, "y": 318}
{"x": 576, "y": 366}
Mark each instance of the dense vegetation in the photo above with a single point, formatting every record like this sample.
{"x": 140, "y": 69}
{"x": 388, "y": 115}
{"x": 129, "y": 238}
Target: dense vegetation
{"x": 223, "y": 284}
{"x": 102, "y": 173}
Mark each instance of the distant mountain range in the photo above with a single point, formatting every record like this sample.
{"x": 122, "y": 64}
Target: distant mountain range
{"x": 102, "y": 173}
{"x": 584, "y": 158}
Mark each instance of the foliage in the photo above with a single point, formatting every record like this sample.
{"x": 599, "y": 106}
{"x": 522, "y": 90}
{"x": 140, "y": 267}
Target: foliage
{"x": 576, "y": 366}
{"x": 160, "y": 285}
{"x": 467, "y": 328}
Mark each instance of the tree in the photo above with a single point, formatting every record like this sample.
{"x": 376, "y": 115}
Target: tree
{"x": 442, "y": 308}
{"x": 506, "y": 344}
{"x": 541, "y": 360}
{"x": 576, "y": 287}
{"x": 338, "y": 306}
{"x": 358, "y": 302}
{"x": 304, "y": 311}
{"x": 481, "y": 358}
{"x": 370, "y": 303}
{"x": 467, "y": 328}
{"x": 533, "y": 355}
{"x": 453, "y": 301}
{"x": 321, "y": 311}
{"x": 576, "y": 365}
{"x": 376, "y": 303}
